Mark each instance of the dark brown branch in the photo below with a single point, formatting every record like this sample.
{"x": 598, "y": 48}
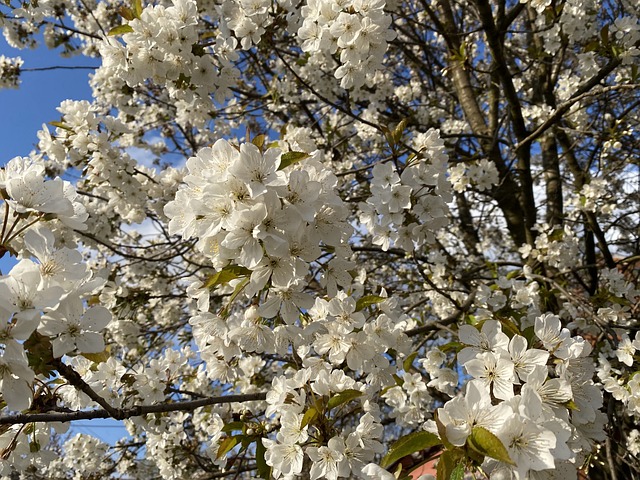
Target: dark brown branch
{"x": 582, "y": 92}
{"x": 74, "y": 378}
{"x": 57, "y": 67}
{"x": 123, "y": 413}
{"x": 495, "y": 40}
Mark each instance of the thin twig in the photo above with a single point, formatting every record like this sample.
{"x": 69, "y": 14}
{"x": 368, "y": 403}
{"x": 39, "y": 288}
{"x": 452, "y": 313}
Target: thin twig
{"x": 442, "y": 324}
{"x": 57, "y": 67}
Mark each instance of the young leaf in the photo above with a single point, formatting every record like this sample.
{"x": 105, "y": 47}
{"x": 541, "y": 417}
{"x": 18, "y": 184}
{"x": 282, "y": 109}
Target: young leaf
{"x": 99, "y": 357}
{"x": 308, "y": 417}
{"x": 399, "y": 130}
{"x": 224, "y": 311}
{"x": 446, "y": 464}
{"x": 414, "y": 442}
{"x": 389, "y": 135}
{"x": 458, "y": 472}
{"x": 233, "y": 426}
{"x": 61, "y": 125}
{"x": 40, "y": 354}
{"x": 227, "y": 274}
{"x": 258, "y": 140}
{"x": 126, "y": 13}
{"x": 509, "y": 327}
{"x": 367, "y": 300}
{"x": 451, "y": 346}
{"x": 343, "y": 397}
{"x": 137, "y": 8}
{"x": 486, "y": 443}
{"x": 408, "y": 362}
{"x": 291, "y": 158}
{"x": 120, "y": 29}
{"x": 264, "y": 470}
{"x": 227, "y": 445}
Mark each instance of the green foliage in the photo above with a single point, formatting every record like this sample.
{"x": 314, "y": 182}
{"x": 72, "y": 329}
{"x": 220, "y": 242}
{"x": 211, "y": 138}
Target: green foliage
{"x": 409, "y": 444}
{"x": 291, "y": 158}
{"x": 486, "y": 443}
{"x": 342, "y": 398}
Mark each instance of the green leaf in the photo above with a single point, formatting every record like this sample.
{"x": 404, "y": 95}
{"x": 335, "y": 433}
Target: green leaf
{"x": 530, "y": 334}
{"x": 447, "y": 464}
{"x": 414, "y": 442}
{"x": 451, "y": 347}
{"x": 246, "y": 441}
{"x": 120, "y": 29}
{"x": 308, "y": 417}
{"x": 509, "y": 327}
{"x": 137, "y": 8}
{"x": 486, "y": 443}
{"x": 291, "y": 158}
{"x": 408, "y": 362}
{"x": 233, "y": 427}
{"x": 388, "y": 135}
{"x": 399, "y": 131}
{"x": 343, "y": 397}
{"x": 458, "y": 472}
{"x": 604, "y": 35}
{"x": 225, "y": 310}
{"x": 264, "y": 470}
{"x": 571, "y": 405}
{"x": 225, "y": 275}
{"x": 258, "y": 140}
{"x": 40, "y": 354}
{"x": 99, "y": 357}
{"x": 227, "y": 445}
{"x": 126, "y": 13}
{"x": 368, "y": 300}
{"x": 61, "y": 125}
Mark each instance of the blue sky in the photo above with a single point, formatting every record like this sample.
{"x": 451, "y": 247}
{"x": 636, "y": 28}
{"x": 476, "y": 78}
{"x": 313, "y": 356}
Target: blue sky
{"x": 22, "y": 113}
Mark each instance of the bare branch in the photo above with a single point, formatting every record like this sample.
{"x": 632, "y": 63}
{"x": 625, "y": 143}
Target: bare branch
{"x": 446, "y": 321}
{"x": 582, "y": 92}
{"x": 123, "y": 413}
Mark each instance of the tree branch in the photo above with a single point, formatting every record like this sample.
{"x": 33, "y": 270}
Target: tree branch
{"x": 123, "y": 413}
{"x": 582, "y": 92}
{"x": 444, "y": 322}
{"x": 74, "y": 378}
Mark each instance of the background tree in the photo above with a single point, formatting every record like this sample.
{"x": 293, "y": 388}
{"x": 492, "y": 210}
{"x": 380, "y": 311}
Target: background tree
{"x": 366, "y": 221}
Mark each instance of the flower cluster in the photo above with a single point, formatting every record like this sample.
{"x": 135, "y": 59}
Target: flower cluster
{"x": 627, "y": 32}
{"x": 555, "y": 246}
{"x": 162, "y": 46}
{"x": 274, "y": 222}
{"x": 540, "y": 402}
{"x": 622, "y": 383}
{"x": 43, "y": 297}
{"x": 10, "y": 71}
{"x": 407, "y": 207}
{"x": 482, "y": 174}
{"x": 29, "y": 196}
{"x": 357, "y": 30}
{"x": 300, "y": 434}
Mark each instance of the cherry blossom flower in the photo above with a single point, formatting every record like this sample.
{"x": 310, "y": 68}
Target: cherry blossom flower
{"x": 71, "y": 327}
{"x": 495, "y": 372}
